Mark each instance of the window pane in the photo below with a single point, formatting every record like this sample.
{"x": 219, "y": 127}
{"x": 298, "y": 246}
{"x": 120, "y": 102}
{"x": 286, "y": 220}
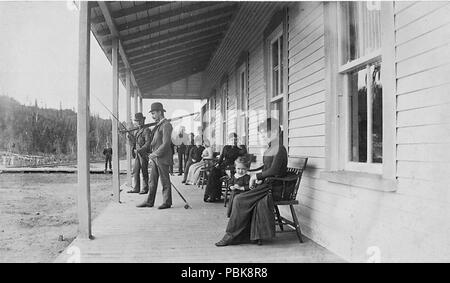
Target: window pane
{"x": 366, "y": 84}
{"x": 243, "y": 92}
{"x": 358, "y": 115}
{"x": 275, "y": 83}
{"x": 362, "y": 28}
{"x": 377, "y": 114}
{"x": 281, "y": 65}
{"x": 274, "y": 54}
{"x": 277, "y": 113}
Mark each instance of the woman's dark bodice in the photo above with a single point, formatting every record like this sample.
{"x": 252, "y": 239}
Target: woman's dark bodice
{"x": 275, "y": 162}
{"x": 230, "y": 154}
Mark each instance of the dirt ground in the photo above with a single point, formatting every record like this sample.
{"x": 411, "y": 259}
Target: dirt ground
{"x": 38, "y": 213}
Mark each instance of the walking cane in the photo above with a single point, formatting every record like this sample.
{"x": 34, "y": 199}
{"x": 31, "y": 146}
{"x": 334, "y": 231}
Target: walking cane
{"x": 186, "y": 206}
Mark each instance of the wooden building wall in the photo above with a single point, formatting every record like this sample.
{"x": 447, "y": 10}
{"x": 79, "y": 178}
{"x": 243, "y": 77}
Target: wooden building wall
{"x": 411, "y": 223}
{"x": 245, "y": 34}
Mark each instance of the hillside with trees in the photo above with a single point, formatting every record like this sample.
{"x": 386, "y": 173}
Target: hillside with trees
{"x": 40, "y": 131}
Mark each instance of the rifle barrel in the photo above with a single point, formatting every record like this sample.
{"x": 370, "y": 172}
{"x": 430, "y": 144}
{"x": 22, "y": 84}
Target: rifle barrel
{"x": 155, "y": 123}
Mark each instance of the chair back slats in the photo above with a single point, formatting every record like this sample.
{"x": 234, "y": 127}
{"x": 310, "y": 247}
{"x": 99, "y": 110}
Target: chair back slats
{"x": 296, "y": 166}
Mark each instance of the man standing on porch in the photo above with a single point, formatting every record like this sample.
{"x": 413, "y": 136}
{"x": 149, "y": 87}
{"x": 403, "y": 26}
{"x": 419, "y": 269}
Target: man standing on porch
{"x": 161, "y": 157}
{"x": 141, "y": 148}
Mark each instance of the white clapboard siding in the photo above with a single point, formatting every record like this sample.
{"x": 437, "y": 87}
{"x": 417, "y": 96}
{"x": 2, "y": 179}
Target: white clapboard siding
{"x": 417, "y": 11}
{"x": 424, "y": 134}
{"x": 349, "y": 219}
{"x": 257, "y": 94}
{"x": 424, "y": 98}
{"x": 423, "y": 120}
{"x": 425, "y": 42}
{"x": 424, "y": 24}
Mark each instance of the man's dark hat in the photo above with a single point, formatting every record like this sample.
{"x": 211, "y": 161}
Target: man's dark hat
{"x": 138, "y": 116}
{"x": 157, "y": 106}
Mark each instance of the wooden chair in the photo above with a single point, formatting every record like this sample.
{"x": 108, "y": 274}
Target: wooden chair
{"x": 290, "y": 185}
{"x": 205, "y": 170}
{"x": 204, "y": 173}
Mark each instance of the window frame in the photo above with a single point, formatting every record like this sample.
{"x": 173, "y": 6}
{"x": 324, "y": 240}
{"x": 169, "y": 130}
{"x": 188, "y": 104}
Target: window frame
{"x": 275, "y": 36}
{"x": 282, "y": 98}
{"x": 243, "y": 109}
{"x": 337, "y": 106}
{"x": 224, "y": 110}
{"x": 344, "y": 72}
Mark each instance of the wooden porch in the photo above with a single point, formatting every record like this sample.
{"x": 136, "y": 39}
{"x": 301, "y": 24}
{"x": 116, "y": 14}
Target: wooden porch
{"x": 124, "y": 233}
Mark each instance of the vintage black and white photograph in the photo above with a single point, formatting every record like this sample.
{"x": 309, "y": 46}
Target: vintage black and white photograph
{"x": 224, "y": 132}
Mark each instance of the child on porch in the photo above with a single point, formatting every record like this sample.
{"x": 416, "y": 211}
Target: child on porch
{"x": 240, "y": 181}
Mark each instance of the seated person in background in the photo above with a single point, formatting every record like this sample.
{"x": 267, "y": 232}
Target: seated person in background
{"x": 229, "y": 154}
{"x": 194, "y": 170}
{"x": 195, "y": 155}
{"x": 239, "y": 182}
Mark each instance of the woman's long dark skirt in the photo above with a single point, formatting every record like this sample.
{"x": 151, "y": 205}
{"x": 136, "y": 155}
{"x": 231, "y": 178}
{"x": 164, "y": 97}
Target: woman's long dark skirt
{"x": 213, "y": 187}
{"x": 252, "y": 216}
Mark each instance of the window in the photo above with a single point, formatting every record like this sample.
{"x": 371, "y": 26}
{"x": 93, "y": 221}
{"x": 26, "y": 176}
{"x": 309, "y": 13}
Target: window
{"x": 276, "y": 63}
{"x": 224, "y": 111}
{"x": 360, "y": 66}
{"x": 243, "y": 104}
{"x": 213, "y": 118}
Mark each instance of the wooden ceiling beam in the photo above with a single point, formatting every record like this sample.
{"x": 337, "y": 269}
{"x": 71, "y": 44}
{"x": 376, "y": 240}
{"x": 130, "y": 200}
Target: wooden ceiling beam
{"x": 157, "y": 75}
{"x": 180, "y": 64}
{"x": 164, "y": 82}
{"x": 174, "y": 58}
{"x": 171, "y": 13}
{"x": 212, "y": 27}
{"x": 174, "y": 52}
{"x": 176, "y": 44}
{"x": 219, "y": 12}
{"x": 132, "y": 10}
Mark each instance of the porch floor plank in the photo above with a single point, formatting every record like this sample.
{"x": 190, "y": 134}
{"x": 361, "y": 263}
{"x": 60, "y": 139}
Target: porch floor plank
{"x": 124, "y": 233}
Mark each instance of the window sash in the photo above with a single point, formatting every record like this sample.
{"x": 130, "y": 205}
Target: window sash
{"x": 367, "y": 166}
{"x": 346, "y": 66}
{"x": 276, "y": 70}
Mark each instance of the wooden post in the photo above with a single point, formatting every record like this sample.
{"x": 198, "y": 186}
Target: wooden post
{"x": 136, "y": 100}
{"x": 128, "y": 111}
{"x": 115, "y": 125}
{"x": 84, "y": 194}
{"x": 140, "y": 102}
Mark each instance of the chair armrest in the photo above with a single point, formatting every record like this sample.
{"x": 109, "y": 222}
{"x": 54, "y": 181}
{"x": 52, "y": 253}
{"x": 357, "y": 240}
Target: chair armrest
{"x": 283, "y": 179}
{"x": 256, "y": 169}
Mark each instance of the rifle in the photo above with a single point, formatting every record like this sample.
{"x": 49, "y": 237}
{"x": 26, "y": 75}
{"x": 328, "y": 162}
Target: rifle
{"x": 155, "y": 123}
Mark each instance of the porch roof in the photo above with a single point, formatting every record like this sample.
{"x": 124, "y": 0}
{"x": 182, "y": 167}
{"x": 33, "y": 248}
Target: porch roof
{"x": 164, "y": 45}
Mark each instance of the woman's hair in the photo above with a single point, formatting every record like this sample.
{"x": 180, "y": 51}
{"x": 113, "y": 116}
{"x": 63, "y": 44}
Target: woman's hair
{"x": 198, "y": 139}
{"x": 242, "y": 160}
{"x": 269, "y": 124}
{"x": 206, "y": 142}
{"x": 232, "y": 135}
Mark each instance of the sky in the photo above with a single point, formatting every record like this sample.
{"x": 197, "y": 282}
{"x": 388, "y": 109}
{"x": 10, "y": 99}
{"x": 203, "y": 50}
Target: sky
{"x": 39, "y": 61}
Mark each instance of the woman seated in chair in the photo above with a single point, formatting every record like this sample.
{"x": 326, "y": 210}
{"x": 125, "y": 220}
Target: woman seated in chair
{"x": 229, "y": 154}
{"x": 194, "y": 170}
{"x": 252, "y": 216}
{"x": 195, "y": 155}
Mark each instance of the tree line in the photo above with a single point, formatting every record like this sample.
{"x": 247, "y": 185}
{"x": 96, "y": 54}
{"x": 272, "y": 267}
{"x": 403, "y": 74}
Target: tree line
{"x": 42, "y": 131}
